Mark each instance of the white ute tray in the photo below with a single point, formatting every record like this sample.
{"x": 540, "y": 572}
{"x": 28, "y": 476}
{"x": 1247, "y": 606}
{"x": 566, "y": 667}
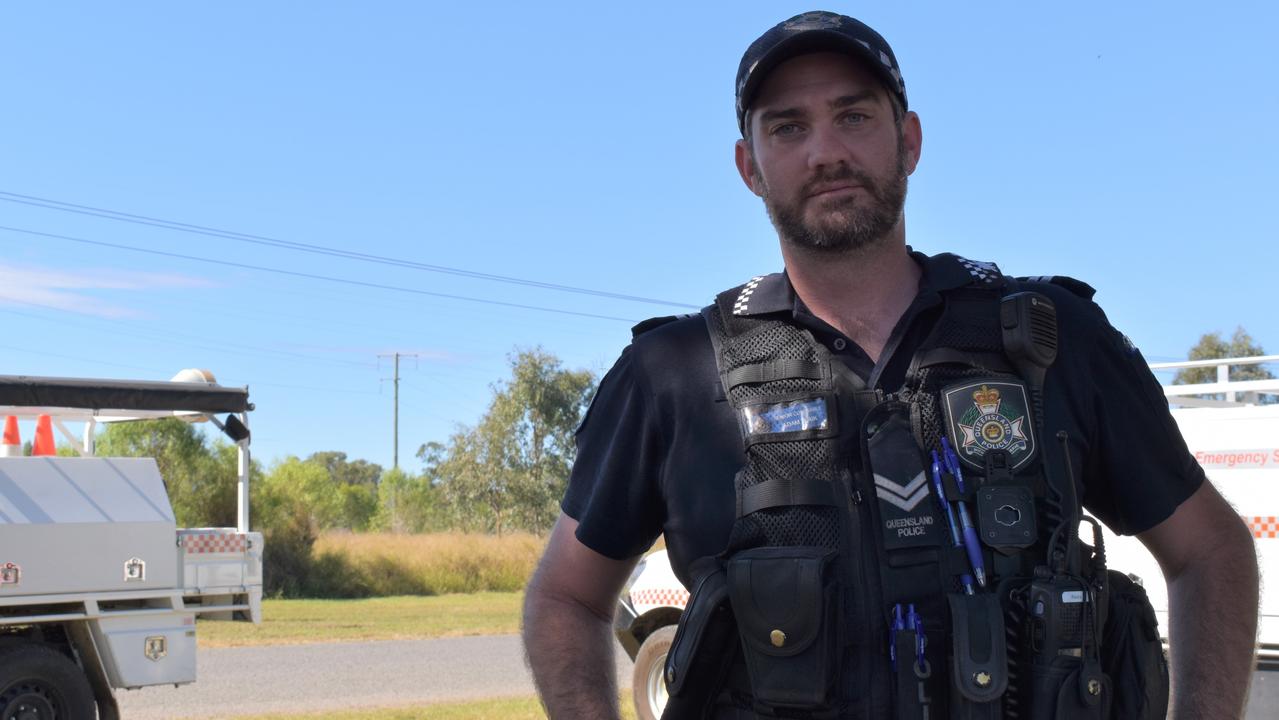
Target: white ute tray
{"x": 90, "y": 524}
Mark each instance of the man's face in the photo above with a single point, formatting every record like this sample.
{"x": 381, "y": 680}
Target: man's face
{"x": 826, "y": 154}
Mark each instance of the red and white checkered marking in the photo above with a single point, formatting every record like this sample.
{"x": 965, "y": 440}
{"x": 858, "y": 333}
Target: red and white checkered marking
{"x": 671, "y": 598}
{"x": 1263, "y": 526}
{"x": 198, "y": 543}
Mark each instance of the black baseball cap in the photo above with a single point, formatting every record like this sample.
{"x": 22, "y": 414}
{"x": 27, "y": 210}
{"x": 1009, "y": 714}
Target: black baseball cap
{"x": 816, "y": 31}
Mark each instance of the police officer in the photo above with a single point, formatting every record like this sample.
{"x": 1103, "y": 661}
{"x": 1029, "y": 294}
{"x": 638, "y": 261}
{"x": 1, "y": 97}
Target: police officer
{"x": 828, "y": 142}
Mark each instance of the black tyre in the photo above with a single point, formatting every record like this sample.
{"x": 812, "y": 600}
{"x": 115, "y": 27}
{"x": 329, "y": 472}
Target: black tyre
{"x": 648, "y": 682}
{"x": 40, "y": 683}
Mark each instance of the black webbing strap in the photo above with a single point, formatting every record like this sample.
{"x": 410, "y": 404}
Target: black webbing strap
{"x": 773, "y": 370}
{"x": 716, "y": 330}
{"x": 913, "y": 698}
{"x": 995, "y": 362}
{"x": 777, "y": 492}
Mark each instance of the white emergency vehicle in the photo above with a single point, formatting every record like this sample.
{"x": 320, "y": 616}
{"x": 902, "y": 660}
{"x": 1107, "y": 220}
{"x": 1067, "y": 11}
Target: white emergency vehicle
{"x": 1233, "y": 436}
{"x": 99, "y": 588}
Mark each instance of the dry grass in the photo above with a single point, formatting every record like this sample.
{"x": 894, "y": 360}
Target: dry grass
{"x": 384, "y": 564}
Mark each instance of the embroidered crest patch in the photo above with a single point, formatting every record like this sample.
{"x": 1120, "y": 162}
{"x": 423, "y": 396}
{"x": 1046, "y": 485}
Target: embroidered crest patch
{"x": 989, "y": 415}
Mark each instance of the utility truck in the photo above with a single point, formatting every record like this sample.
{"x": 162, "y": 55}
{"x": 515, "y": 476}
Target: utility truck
{"x": 99, "y": 588}
{"x": 1231, "y": 432}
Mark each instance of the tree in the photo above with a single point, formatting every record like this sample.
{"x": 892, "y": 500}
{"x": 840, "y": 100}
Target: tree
{"x": 358, "y": 506}
{"x": 201, "y": 480}
{"x": 408, "y": 503}
{"x": 356, "y": 485}
{"x": 347, "y": 472}
{"x": 307, "y": 489}
{"x": 510, "y": 469}
{"x": 1211, "y": 346}
{"x": 288, "y": 528}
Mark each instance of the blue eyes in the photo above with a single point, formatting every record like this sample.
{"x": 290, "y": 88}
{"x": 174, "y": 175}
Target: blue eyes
{"x": 790, "y": 129}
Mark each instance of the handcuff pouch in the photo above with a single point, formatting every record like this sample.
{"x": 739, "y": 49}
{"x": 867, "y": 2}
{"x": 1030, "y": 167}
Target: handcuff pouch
{"x": 979, "y": 658}
{"x": 785, "y": 600}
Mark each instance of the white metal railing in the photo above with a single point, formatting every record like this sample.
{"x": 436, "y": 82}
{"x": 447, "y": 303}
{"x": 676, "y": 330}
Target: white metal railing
{"x": 1224, "y": 386}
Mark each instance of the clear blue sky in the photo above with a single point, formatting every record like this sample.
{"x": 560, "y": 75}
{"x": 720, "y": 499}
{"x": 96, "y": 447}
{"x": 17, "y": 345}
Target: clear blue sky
{"x": 1132, "y": 145}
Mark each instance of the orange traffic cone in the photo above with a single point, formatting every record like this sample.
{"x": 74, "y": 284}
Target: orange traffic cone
{"x": 44, "y": 437}
{"x": 12, "y": 445}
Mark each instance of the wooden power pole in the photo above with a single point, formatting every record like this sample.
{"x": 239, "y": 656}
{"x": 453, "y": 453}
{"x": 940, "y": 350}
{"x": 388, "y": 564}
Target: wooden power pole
{"x": 395, "y": 420}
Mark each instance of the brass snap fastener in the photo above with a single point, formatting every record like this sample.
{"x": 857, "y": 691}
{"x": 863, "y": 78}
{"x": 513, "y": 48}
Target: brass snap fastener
{"x": 1094, "y": 687}
{"x": 777, "y": 637}
{"x": 982, "y": 679}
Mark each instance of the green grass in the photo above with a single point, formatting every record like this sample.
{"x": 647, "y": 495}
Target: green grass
{"x": 392, "y": 618}
{"x": 522, "y": 708}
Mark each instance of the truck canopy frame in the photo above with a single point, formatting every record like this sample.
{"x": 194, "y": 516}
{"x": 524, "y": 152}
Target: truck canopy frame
{"x": 94, "y": 401}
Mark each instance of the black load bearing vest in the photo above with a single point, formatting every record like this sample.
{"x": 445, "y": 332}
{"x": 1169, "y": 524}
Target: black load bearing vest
{"x": 843, "y": 592}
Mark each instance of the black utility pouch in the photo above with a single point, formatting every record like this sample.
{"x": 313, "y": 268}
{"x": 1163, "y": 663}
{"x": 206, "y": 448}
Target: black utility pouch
{"x": 698, "y": 659}
{"x": 1132, "y": 653}
{"x": 1068, "y": 688}
{"x": 784, "y": 600}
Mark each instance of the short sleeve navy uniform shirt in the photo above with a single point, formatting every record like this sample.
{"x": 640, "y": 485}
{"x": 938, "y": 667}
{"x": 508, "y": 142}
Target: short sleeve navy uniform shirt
{"x": 659, "y": 447}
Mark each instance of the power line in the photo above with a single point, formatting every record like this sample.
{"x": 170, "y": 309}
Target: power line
{"x": 97, "y": 361}
{"x": 314, "y": 388}
{"x": 311, "y": 276}
{"x": 167, "y": 336}
{"x": 62, "y": 206}
{"x": 60, "y": 356}
{"x": 221, "y": 346}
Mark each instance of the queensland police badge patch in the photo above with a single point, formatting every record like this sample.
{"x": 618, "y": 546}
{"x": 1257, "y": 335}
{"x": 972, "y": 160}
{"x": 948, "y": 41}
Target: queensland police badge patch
{"x": 988, "y": 415}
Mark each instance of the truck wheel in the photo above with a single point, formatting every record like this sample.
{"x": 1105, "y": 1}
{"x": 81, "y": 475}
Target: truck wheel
{"x": 648, "y": 682}
{"x": 40, "y": 683}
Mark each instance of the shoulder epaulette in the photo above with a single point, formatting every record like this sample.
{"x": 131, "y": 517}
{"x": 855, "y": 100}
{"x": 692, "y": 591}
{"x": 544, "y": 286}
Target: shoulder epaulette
{"x": 1078, "y": 287}
{"x": 655, "y": 322}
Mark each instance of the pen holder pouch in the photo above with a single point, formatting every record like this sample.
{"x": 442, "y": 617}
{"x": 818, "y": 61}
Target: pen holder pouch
{"x": 700, "y": 654}
{"x": 979, "y": 657}
{"x": 1068, "y": 688}
{"x": 785, "y": 600}
{"x": 1132, "y": 654}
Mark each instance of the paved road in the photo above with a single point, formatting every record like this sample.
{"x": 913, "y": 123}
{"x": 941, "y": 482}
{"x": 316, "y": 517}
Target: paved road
{"x": 330, "y": 676}
{"x": 239, "y": 681}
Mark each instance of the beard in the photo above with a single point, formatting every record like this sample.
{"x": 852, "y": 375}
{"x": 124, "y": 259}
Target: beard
{"x": 845, "y": 223}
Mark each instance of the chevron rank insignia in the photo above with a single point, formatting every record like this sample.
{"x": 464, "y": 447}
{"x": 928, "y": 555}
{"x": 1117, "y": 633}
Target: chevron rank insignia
{"x": 986, "y": 415}
{"x": 906, "y": 511}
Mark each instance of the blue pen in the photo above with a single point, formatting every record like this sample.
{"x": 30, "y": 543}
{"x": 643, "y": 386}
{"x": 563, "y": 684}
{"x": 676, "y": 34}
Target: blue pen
{"x": 916, "y": 623}
{"x": 952, "y": 462}
{"x": 898, "y": 625}
{"x": 971, "y": 543}
{"x": 941, "y": 498}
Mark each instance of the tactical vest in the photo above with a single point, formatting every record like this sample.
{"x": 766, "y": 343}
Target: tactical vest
{"x": 899, "y": 555}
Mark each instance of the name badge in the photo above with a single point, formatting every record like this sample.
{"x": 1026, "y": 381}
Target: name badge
{"x": 785, "y": 417}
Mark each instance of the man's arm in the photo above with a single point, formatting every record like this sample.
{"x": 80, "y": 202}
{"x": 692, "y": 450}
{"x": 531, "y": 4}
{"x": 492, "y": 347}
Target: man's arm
{"x": 1207, "y": 556}
{"x": 568, "y": 626}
